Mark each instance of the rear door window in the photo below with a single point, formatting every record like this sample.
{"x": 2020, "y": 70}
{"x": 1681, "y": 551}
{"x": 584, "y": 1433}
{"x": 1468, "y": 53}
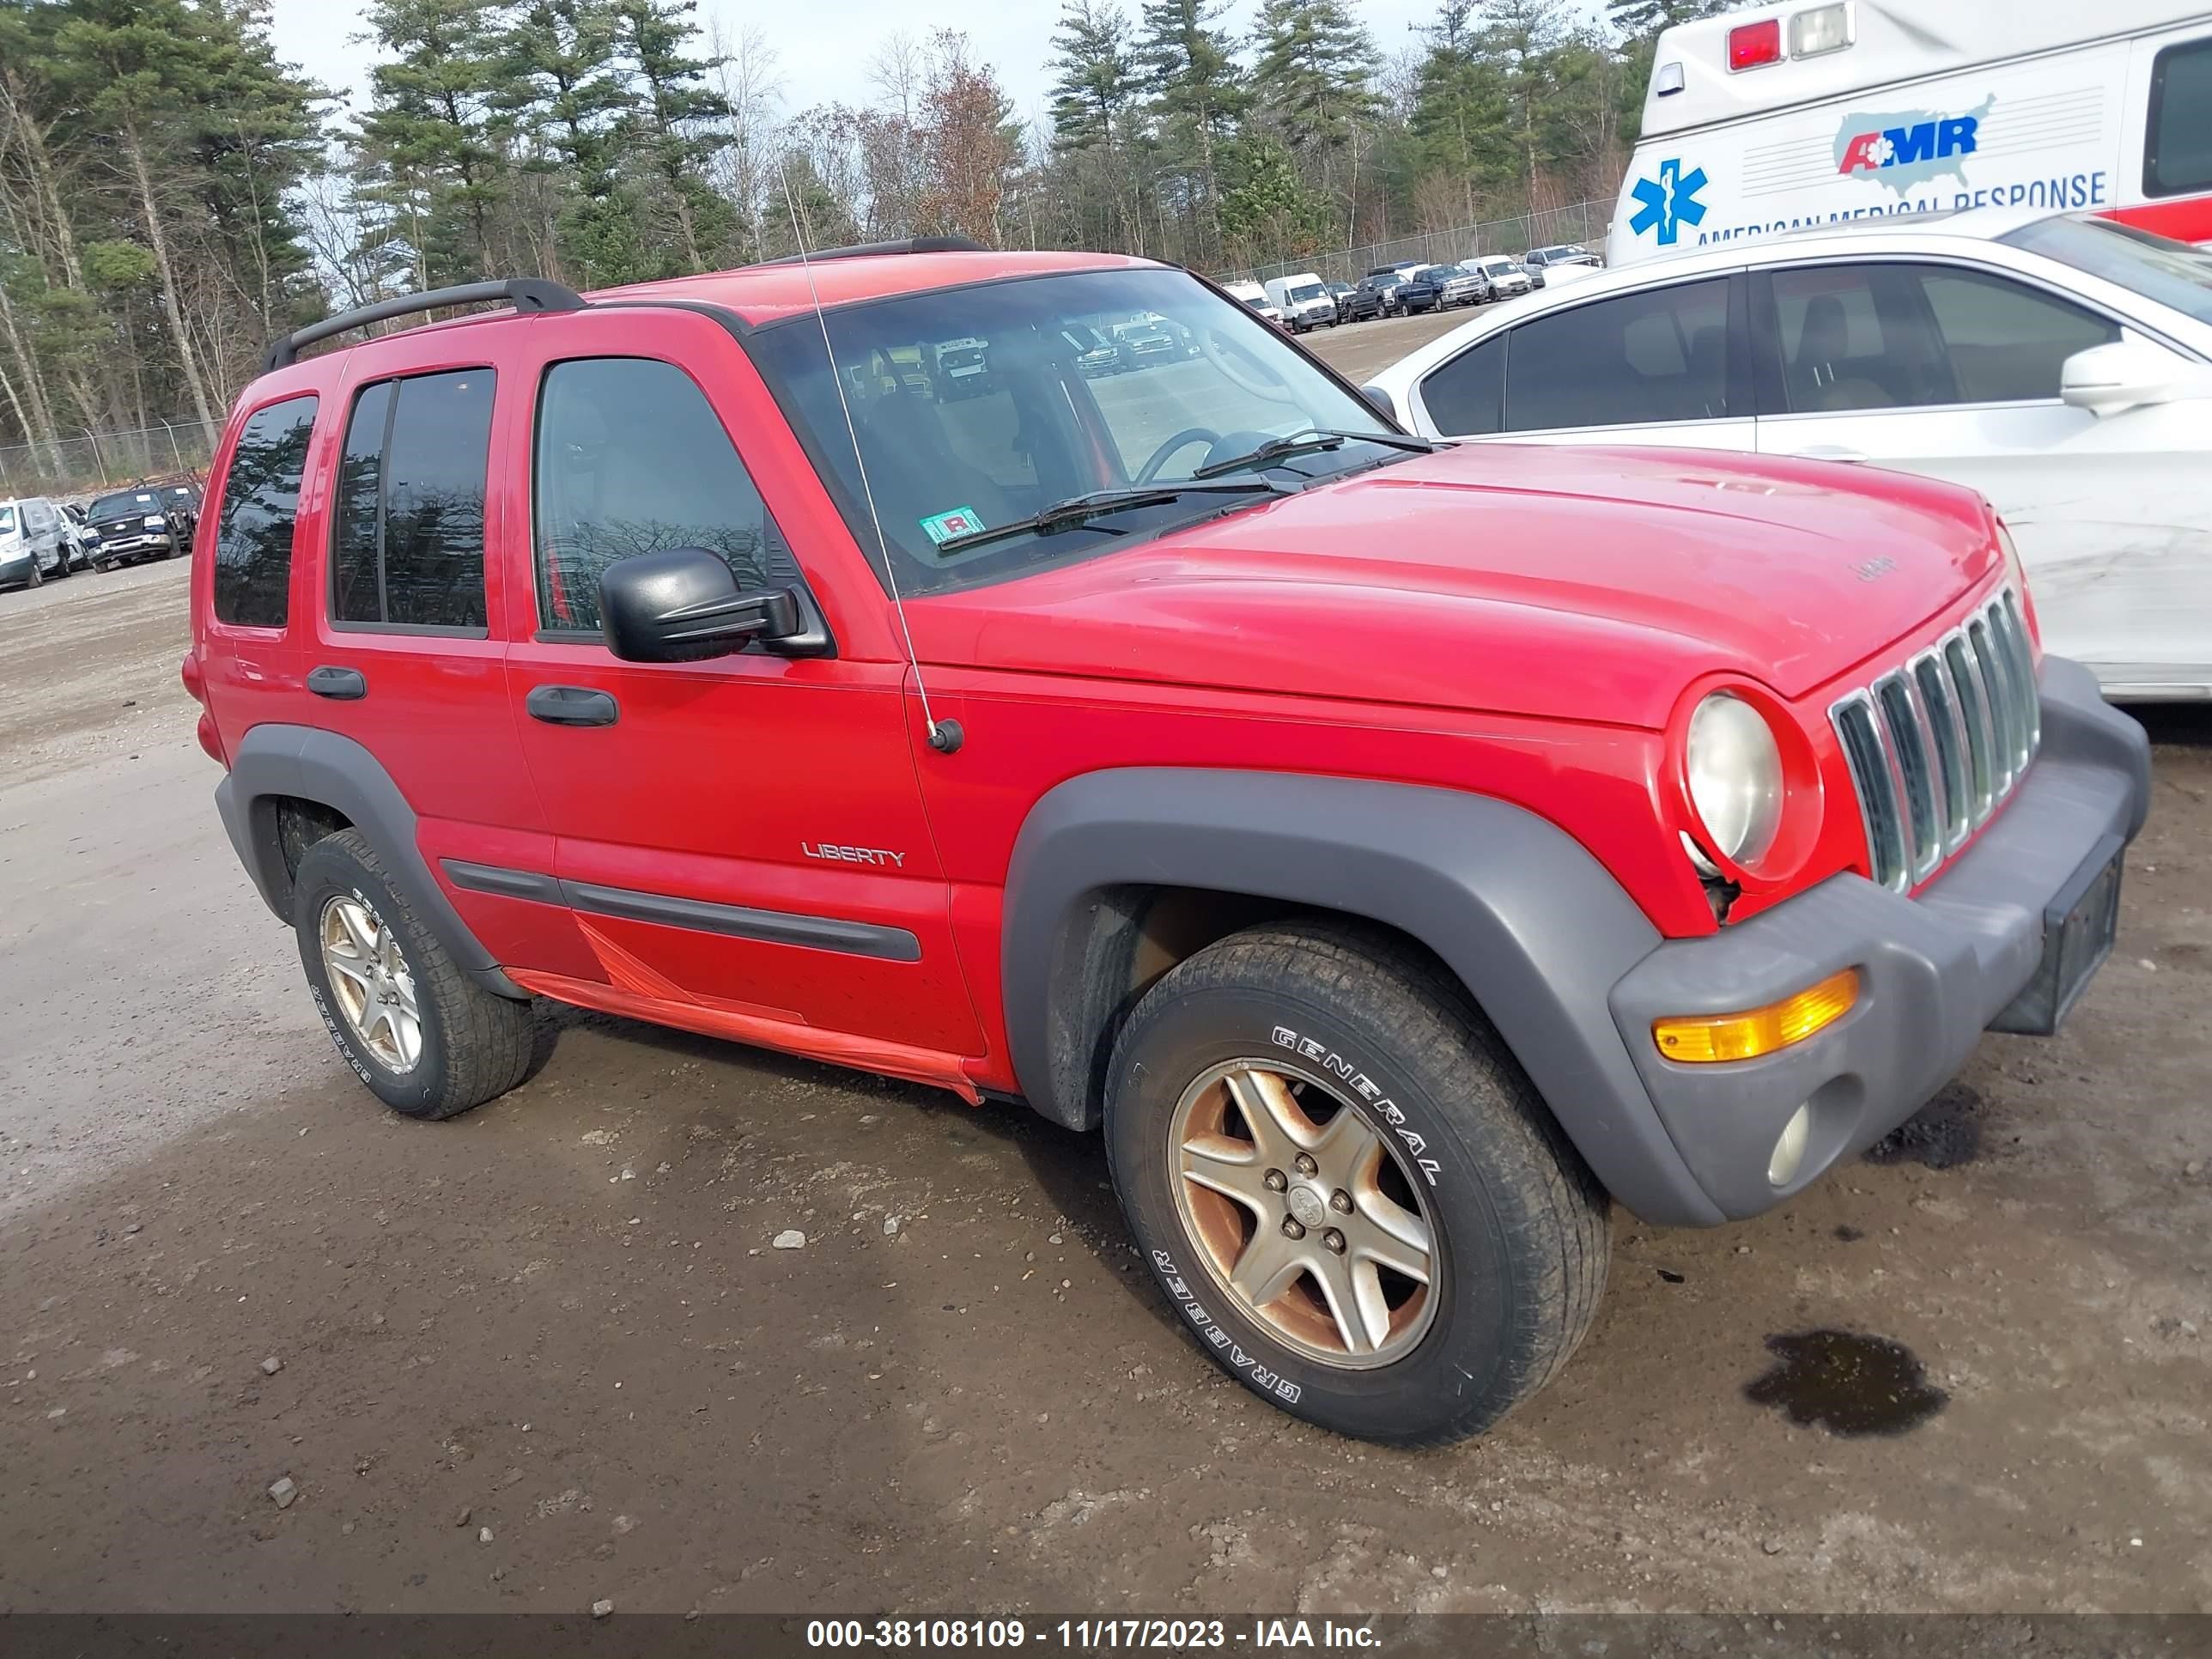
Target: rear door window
{"x": 1658, "y": 356}
{"x": 260, "y": 499}
{"x": 408, "y": 547}
{"x": 2178, "y": 150}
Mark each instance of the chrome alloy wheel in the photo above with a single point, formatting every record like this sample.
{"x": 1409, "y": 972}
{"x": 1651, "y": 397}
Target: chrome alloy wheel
{"x": 373, "y": 984}
{"x": 1303, "y": 1213}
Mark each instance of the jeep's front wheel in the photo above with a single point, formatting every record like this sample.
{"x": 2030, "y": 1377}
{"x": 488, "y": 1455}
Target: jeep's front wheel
{"x": 428, "y": 1040}
{"x": 1348, "y": 1189}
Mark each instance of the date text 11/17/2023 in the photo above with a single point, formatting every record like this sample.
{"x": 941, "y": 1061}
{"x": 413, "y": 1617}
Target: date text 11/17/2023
{"x": 1089, "y": 1634}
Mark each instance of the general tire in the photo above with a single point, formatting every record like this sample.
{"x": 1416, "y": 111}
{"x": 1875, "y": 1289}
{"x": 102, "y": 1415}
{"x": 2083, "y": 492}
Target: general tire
{"x": 475, "y": 1045}
{"x": 1521, "y": 1229}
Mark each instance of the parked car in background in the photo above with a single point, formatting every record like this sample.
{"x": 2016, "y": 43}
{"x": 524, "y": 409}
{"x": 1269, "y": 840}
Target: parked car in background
{"x": 1368, "y": 299}
{"x": 1505, "y": 277}
{"x": 1304, "y": 299}
{"x": 1403, "y": 855}
{"x": 964, "y": 368}
{"x": 1255, "y": 297}
{"x": 181, "y": 499}
{"x": 34, "y": 541}
{"x": 83, "y": 537}
{"x": 136, "y": 524}
{"x": 1096, "y": 353}
{"x": 1439, "y": 288}
{"x": 1146, "y": 344}
{"x": 1389, "y": 279}
{"x": 1542, "y": 263}
{"x": 2061, "y": 365}
{"x": 1340, "y": 294}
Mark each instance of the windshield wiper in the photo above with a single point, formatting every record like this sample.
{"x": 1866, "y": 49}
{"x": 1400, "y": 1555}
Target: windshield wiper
{"x": 1081, "y": 509}
{"x": 1311, "y": 441}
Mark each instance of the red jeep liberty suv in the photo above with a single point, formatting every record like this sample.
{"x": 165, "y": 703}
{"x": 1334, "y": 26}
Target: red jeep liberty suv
{"x": 1402, "y": 853}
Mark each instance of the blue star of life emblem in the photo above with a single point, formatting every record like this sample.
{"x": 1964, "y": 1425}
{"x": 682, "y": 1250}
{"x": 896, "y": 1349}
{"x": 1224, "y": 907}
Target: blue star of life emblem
{"x": 1669, "y": 202}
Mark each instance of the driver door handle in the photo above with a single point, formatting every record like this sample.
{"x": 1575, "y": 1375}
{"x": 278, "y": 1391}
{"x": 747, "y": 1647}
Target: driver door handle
{"x": 571, "y": 705}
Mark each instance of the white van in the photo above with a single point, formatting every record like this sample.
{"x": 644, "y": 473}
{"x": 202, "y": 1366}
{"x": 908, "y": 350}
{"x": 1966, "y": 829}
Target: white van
{"x": 1256, "y": 297}
{"x": 36, "y": 542}
{"x": 1786, "y": 116}
{"x": 1304, "y": 299}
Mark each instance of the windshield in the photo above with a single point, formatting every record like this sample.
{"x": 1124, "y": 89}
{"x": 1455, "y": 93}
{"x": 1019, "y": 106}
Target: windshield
{"x": 7, "y": 519}
{"x": 123, "y": 505}
{"x": 944, "y": 462}
{"x": 1307, "y": 291}
{"x": 2172, "y": 273}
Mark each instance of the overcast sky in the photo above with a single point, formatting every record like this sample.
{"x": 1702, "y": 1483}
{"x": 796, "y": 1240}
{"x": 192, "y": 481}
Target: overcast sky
{"x": 821, "y": 62}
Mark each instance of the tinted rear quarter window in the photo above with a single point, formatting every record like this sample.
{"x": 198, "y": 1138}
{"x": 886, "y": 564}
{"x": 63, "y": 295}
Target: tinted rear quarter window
{"x": 260, "y": 499}
{"x": 2178, "y": 155}
{"x": 1466, "y": 398}
{"x": 409, "y": 547}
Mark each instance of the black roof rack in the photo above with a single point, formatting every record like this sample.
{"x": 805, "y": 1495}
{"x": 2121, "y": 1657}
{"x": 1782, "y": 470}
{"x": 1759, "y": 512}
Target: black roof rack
{"x": 869, "y": 250}
{"x": 530, "y": 293}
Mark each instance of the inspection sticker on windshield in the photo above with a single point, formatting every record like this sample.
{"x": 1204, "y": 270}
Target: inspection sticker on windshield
{"x": 960, "y": 521}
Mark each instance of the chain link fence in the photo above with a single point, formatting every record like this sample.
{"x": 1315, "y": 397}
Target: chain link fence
{"x": 1584, "y": 223}
{"x": 93, "y": 461}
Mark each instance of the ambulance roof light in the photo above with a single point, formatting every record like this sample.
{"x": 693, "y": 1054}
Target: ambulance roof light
{"x": 1754, "y": 45}
{"x": 1822, "y": 29}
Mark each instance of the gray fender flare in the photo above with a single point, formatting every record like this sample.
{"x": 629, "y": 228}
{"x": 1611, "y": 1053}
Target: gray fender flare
{"x": 1536, "y": 929}
{"x": 314, "y": 765}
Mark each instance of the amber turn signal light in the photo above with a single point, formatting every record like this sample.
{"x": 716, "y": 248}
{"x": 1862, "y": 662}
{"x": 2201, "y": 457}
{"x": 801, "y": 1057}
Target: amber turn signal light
{"x": 1700, "y": 1039}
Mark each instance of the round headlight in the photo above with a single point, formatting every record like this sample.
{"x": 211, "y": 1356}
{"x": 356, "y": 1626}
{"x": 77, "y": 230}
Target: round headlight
{"x": 1736, "y": 776}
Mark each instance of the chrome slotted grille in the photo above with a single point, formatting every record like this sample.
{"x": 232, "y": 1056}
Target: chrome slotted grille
{"x": 1935, "y": 745}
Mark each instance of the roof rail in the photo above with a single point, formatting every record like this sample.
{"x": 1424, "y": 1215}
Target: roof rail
{"x": 868, "y": 250}
{"x": 530, "y": 293}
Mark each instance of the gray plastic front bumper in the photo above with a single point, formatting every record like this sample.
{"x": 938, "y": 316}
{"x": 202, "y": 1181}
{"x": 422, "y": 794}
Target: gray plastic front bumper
{"x": 1936, "y": 969}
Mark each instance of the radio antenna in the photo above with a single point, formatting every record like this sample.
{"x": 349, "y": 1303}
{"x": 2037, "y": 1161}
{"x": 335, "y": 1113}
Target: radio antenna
{"x": 944, "y": 736}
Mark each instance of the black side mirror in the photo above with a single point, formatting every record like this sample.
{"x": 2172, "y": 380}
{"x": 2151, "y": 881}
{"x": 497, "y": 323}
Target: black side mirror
{"x": 682, "y": 604}
{"x": 1377, "y": 396}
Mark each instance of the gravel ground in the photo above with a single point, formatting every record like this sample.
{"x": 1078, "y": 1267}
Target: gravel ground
{"x": 550, "y": 1353}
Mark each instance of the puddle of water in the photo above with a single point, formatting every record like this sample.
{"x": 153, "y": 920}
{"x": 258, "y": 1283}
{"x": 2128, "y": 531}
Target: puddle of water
{"x": 1849, "y": 1384}
{"x": 1942, "y": 1135}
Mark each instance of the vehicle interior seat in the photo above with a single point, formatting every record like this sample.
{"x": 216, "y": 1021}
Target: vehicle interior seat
{"x": 1823, "y": 375}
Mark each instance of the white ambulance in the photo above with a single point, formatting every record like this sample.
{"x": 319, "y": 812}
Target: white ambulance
{"x": 1782, "y": 118}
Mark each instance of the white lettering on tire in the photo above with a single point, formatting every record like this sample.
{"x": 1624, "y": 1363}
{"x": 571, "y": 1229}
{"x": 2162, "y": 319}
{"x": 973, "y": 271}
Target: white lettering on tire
{"x": 1268, "y": 1381}
{"x": 1365, "y": 1087}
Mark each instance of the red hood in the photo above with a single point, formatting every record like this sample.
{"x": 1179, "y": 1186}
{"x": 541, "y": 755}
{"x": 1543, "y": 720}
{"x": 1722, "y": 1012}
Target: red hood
{"x": 1580, "y": 584}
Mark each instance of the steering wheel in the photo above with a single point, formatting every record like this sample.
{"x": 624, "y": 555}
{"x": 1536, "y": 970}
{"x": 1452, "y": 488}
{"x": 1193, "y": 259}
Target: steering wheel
{"x": 1182, "y": 440}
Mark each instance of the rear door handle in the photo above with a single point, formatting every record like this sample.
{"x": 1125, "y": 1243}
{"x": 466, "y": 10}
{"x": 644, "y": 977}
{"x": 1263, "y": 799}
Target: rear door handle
{"x": 339, "y": 684}
{"x": 571, "y": 705}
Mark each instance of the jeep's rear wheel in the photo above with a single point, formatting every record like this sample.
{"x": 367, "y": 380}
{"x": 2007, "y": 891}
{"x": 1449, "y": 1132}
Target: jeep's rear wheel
{"x": 1348, "y": 1189}
{"x": 428, "y": 1040}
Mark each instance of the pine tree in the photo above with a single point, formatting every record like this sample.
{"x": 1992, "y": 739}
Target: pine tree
{"x": 1198, "y": 94}
{"x": 681, "y": 123}
{"x": 138, "y": 68}
{"x": 562, "y": 85}
{"x": 433, "y": 157}
{"x": 1095, "y": 110}
{"x": 1643, "y": 19}
{"x": 1314, "y": 82}
{"x": 1458, "y": 116}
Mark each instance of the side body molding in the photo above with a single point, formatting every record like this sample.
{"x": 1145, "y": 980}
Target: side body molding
{"x": 299, "y": 761}
{"x": 1534, "y": 927}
